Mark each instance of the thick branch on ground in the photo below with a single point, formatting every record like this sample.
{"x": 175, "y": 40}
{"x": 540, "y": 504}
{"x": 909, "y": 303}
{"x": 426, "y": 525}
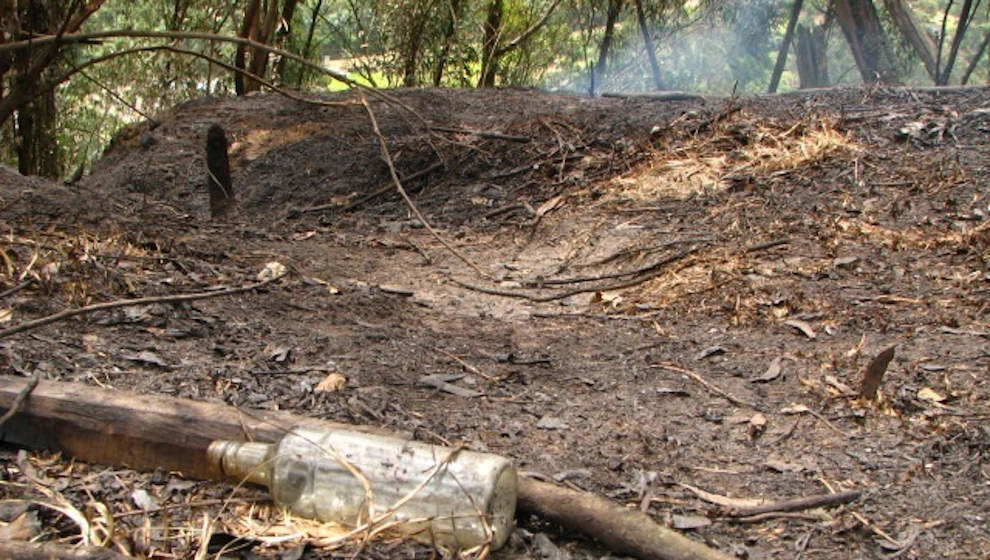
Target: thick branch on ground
{"x": 798, "y": 504}
{"x": 626, "y": 531}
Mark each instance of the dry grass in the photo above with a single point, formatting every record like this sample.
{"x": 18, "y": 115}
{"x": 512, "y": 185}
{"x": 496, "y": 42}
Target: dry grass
{"x": 709, "y": 164}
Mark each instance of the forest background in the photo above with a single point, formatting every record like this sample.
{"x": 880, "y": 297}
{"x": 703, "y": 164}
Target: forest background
{"x": 72, "y": 72}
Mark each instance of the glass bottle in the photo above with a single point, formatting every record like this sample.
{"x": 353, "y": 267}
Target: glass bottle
{"x": 455, "y": 498}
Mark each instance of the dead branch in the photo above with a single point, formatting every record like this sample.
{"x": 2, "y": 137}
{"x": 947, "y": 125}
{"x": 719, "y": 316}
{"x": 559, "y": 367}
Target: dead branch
{"x": 798, "y": 504}
{"x": 211, "y": 59}
{"x": 646, "y": 274}
{"x": 405, "y": 196}
{"x": 177, "y": 298}
{"x": 767, "y": 245}
{"x": 9, "y": 104}
{"x": 18, "y": 550}
{"x": 727, "y": 396}
{"x": 388, "y": 187}
{"x": 482, "y": 134}
{"x": 625, "y": 531}
{"x": 639, "y": 271}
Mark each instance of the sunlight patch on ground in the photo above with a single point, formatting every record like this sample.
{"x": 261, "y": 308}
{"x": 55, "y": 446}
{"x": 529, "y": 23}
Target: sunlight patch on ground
{"x": 714, "y": 163}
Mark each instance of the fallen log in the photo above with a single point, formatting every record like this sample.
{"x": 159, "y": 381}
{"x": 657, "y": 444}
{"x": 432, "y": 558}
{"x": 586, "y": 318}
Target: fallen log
{"x": 148, "y": 432}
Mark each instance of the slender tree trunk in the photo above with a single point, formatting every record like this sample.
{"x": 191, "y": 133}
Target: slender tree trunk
{"x": 489, "y": 48}
{"x": 651, "y": 50}
{"x": 965, "y": 18}
{"x": 785, "y": 46}
{"x": 976, "y": 59}
{"x": 248, "y": 27}
{"x": 308, "y": 46}
{"x": 921, "y": 43}
{"x": 259, "y": 58}
{"x": 454, "y": 11}
{"x": 283, "y": 36}
{"x": 611, "y": 18}
{"x": 864, "y": 34}
{"x": 811, "y": 57}
{"x": 414, "y": 43}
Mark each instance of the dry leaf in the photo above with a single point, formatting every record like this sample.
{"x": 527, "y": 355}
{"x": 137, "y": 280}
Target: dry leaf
{"x": 6, "y": 314}
{"x": 772, "y": 372}
{"x": 874, "y": 373}
{"x": 303, "y": 235}
{"x": 331, "y": 383}
{"x": 803, "y": 327}
{"x": 929, "y": 394}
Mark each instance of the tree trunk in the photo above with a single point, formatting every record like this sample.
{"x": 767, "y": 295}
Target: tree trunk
{"x": 248, "y": 27}
{"x": 651, "y": 51}
{"x": 37, "y": 141}
{"x": 611, "y": 18}
{"x": 454, "y": 9}
{"x": 414, "y": 43}
{"x": 259, "y": 58}
{"x": 920, "y": 42}
{"x": 283, "y": 34}
{"x": 864, "y": 34}
{"x": 308, "y": 46}
{"x": 811, "y": 57}
{"x": 489, "y": 48}
{"x": 785, "y": 46}
{"x": 965, "y": 18}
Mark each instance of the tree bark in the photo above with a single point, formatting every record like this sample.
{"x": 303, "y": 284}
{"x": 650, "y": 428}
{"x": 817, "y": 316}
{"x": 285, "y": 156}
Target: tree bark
{"x": 489, "y": 47}
{"x": 283, "y": 36}
{"x": 454, "y": 13}
{"x": 812, "y": 63}
{"x": 965, "y": 18}
{"x": 308, "y": 46}
{"x": 864, "y": 34}
{"x": 921, "y": 43}
{"x": 785, "y": 46}
{"x": 651, "y": 51}
{"x": 248, "y": 27}
{"x": 611, "y": 18}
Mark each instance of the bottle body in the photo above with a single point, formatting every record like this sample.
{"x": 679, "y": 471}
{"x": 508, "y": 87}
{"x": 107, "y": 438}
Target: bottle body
{"x": 456, "y": 498}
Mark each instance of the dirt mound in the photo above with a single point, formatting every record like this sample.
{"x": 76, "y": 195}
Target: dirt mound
{"x": 672, "y": 303}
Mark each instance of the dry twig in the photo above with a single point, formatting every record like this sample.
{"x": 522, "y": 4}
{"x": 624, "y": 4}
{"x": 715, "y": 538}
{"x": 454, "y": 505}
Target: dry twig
{"x": 405, "y": 196}
{"x": 727, "y": 396}
{"x": 27, "y": 325}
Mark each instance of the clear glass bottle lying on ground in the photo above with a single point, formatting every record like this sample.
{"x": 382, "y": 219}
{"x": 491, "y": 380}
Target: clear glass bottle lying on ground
{"x": 455, "y": 498}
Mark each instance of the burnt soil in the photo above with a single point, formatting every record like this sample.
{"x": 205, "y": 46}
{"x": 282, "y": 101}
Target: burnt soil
{"x": 672, "y": 297}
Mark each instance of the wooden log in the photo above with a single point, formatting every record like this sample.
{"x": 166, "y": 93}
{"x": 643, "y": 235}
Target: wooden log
{"x": 137, "y": 431}
{"x": 626, "y": 531}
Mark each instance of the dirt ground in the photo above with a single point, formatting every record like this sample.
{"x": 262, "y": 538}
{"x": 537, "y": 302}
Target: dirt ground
{"x": 670, "y": 303}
